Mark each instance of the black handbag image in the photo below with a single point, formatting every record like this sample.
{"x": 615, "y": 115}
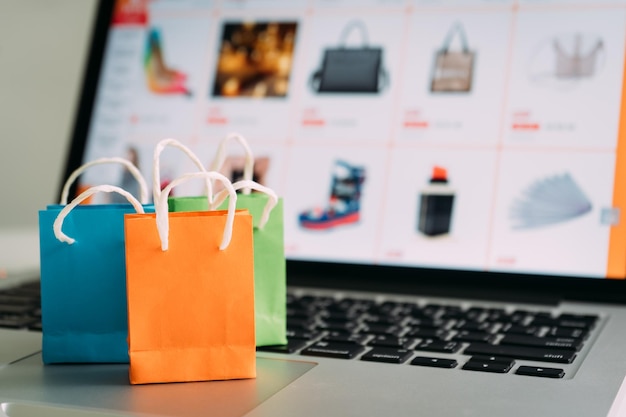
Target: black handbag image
{"x": 351, "y": 69}
{"x": 453, "y": 69}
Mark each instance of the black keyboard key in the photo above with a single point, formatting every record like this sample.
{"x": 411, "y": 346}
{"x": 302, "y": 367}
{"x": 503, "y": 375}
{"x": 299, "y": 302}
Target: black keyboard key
{"x": 500, "y": 367}
{"x": 301, "y": 334}
{"x": 521, "y": 352}
{"x": 558, "y": 322}
{"x": 543, "y": 342}
{"x": 484, "y": 358}
{"x": 338, "y": 318}
{"x": 540, "y": 372}
{"x": 384, "y": 329}
{"x": 391, "y": 341}
{"x": 441, "y": 346}
{"x": 387, "y": 355}
{"x": 434, "y": 362}
{"x": 473, "y": 326}
{"x": 426, "y": 323}
{"x": 299, "y": 313}
{"x": 498, "y": 315}
{"x": 340, "y": 337}
{"x": 292, "y": 346}
{"x": 301, "y": 324}
{"x": 589, "y": 318}
{"x": 567, "y": 332}
{"x": 381, "y": 320}
{"x": 331, "y": 326}
{"x": 518, "y": 329}
{"x": 333, "y": 350}
{"x": 465, "y": 336}
{"x": 427, "y": 333}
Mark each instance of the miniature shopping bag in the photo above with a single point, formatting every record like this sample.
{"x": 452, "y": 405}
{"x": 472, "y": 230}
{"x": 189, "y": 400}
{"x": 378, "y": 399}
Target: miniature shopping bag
{"x": 83, "y": 287}
{"x": 83, "y": 277}
{"x": 190, "y": 287}
{"x": 269, "y": 260}
{"x": 270, "y": 282}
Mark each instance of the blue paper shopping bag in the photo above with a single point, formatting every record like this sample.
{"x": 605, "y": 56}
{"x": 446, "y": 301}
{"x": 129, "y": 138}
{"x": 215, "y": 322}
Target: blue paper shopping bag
{"x": 83, "y": 279}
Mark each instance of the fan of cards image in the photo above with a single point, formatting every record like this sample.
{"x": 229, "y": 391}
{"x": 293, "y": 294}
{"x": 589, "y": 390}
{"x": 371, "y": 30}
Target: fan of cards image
{"x": 549, "y": 201}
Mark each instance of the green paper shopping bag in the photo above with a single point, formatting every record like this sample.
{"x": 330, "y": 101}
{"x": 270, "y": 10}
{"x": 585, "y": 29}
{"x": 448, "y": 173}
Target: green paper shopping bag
{"x": 190, "y": 289}
{"x": 270, "y": 285}
{"x": 269, "y": 250}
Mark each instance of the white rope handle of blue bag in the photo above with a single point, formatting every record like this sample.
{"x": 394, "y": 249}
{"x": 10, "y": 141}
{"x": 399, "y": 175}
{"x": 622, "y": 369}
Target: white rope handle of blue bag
{"x": 220, "y": 157}
{"x": 271, "y": 203}
{"x": 162, "y": 218}
{"x": 58, "y": 222}
{"x": 156, "y": 167}
{"x": 143, "y": 186}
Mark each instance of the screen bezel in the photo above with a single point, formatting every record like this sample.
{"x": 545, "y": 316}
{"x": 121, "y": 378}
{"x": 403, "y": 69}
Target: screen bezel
{"x": 536, "y": 289}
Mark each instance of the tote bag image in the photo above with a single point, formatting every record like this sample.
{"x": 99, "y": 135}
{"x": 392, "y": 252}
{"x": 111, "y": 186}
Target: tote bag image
{"x": 348, "y": 69}
{"x": 83, "y": 279}
{"x": 270, "y": 281}
{"x": 190, "y": 285}
{"x": 453, "y": 69}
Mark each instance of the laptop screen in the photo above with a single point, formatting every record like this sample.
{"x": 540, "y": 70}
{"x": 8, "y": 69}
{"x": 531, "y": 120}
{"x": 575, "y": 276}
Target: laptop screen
{"x": 481, "y": 135}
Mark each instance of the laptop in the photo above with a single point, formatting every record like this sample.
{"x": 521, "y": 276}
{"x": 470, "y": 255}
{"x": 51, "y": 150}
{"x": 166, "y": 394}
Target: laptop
{"x": 453, "y": 175}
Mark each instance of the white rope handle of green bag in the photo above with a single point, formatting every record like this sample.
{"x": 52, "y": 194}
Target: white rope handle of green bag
{"x": 162, "y": 218}
{"x": 271, "y": 203}
{"x": 143, "y": 186}
{"x": 220, "y": 157}
{"x": 156, "y": 167}
{"x": 58, "y": 222}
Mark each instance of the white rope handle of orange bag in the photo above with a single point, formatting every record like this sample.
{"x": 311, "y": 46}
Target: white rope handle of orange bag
{"x": 156, "y": 167}
{"x": 162, "y": 218}
{"x": 271, "y": 203}
{"x": 58, "y": 222}
{"x": 143, "y": 186}
{"x": 220, "y": 157}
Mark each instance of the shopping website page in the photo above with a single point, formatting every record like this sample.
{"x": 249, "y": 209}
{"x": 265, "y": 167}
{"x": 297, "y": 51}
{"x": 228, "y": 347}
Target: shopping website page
{"x": 470, "y": 134}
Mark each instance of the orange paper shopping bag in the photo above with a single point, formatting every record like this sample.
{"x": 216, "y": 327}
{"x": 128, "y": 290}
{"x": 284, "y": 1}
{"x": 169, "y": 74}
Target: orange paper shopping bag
{"x": 190, "y": 288}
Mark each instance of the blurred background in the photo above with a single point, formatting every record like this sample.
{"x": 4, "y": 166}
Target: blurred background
{"x": 42, "y": 52}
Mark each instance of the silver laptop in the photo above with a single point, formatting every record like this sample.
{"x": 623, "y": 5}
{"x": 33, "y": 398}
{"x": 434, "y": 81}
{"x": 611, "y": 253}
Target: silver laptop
{"x": 453, "y": 176}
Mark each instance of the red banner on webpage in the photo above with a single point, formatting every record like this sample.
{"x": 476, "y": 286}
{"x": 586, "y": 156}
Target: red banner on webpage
{"x": 130, "y": 12}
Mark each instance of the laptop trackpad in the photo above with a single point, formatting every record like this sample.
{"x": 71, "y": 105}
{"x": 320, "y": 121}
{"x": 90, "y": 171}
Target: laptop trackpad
{"x": 27, "y": 385}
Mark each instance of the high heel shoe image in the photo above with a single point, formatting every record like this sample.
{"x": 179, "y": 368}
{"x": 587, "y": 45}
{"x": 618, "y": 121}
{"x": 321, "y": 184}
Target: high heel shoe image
{"x": 160, "y": 78}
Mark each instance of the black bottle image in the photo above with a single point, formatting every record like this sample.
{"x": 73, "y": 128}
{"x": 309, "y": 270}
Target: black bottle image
{"x": 436, "y": 201}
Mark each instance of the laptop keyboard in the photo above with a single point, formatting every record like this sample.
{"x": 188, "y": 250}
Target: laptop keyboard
{"x": 436, "y": 335}
{"x": 446, "y": 335}
{"x": 20, "y": 307}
